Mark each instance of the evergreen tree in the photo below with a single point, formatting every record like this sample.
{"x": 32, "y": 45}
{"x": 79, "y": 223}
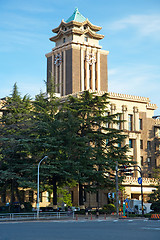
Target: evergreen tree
{"x": 90, "y": 144}
{"x": 14, "y": 137}
{"x": 47, "y": 141}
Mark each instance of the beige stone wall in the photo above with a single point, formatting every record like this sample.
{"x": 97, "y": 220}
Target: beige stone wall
{"x": 76, "y": 70}
{"x": 104, "y": 72}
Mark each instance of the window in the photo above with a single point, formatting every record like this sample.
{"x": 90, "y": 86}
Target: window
{"x": 40, "y": 196}
{"x": 119, "y": 123}
{"x": 141, "y": 161}
{"x": 130, "y": 122}
{"x": 158, "y": 132}
{"x": 149, "y": 161}
{"x": 141, "y": 144}
{"x": 155, "y": 162}
{"x": 86, "y": 39}
{"x": 130, "y": 143}
{"x": 97, "y": 196}
{"x": 64, "y": 40}
{"x": 140, "y": 124}
{"x": 72, "y": 196}
{"x": 30, "y": 196}
{"x": 148, "y": 145}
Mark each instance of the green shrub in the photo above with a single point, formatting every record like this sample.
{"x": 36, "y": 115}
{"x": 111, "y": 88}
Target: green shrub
{"x": 109, "y": 208}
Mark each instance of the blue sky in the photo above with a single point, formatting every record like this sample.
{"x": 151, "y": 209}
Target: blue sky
{"x": 132, "y": 37}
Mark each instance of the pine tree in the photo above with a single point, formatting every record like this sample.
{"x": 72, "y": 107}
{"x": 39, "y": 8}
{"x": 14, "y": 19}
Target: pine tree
{"x": 15, "y": 150}
{"x": 47, "y": 141}
{"x": 90, "y": 145}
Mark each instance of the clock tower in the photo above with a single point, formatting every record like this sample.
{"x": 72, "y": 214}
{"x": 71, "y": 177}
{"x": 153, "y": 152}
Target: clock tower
{"x": 77, "y": 62}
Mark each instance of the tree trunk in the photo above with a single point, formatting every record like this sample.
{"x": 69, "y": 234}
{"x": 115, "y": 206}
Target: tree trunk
{"x": 17, "y": 194}
{"x": 54, "y": 193}
{"x": 4, "y": 193}
{"x": 12, "y": 191}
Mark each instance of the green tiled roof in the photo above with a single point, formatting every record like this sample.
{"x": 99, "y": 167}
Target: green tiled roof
{"x": 76, "y": 16}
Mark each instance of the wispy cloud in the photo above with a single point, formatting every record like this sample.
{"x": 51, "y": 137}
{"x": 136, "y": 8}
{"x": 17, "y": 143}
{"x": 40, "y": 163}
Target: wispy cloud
{"x": 145, "y": 25}
{"x": 31, "y": 85}
{"x": 142, "y": 80}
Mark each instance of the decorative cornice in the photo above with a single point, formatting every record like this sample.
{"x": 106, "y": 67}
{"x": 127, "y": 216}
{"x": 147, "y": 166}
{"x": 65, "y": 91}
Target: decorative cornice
{"x": 128, "y": 97}
{"x": 151, "y": 106}
{"x": 77, "y": 31}
{"x": 69, "y": 44}
{"x": 79, "y": 24}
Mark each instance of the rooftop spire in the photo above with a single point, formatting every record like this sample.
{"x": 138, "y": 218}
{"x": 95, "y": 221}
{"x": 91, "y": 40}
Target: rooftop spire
{"x": 76, "y": 16}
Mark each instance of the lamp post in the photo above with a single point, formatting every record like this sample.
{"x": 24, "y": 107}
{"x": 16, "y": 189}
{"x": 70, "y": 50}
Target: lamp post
{"x": 38, "y": 185}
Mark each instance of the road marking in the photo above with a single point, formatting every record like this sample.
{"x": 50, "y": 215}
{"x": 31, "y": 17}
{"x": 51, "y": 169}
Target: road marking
{"x": 130, "y": 220}
{"x": 151, "y": 228}
{"x": 115, "y": 221}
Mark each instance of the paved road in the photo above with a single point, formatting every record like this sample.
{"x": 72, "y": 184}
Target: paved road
{"x": 81, "y": 230}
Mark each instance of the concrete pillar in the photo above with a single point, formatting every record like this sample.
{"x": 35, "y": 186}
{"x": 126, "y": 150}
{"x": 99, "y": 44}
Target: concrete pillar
{"x": 137, "y": 153}
{"x": 136, "y": 119}
{"x": 64, "y": 73}
{"x": 53, "y": 67}
{"x": 60, "y": 79}
{"x": 93, "y": 77}
{"x": 113, "y": 111}
{"x": 125, "y": 117}
{"x": 98, "y": 71}
{"x": 82, "y": 70}
{"x": 87, "y": 73}
{"x": 56, "y": 78}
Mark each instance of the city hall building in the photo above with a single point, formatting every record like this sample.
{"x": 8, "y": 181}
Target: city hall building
{"x": 78, "y": 63}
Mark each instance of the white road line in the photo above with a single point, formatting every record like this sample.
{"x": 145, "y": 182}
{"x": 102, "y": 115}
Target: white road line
{"x": 151, "y": 228}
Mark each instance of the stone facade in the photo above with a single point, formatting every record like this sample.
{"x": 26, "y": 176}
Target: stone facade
{"x": 78, "y": 63}
{"x": 86, "y": 69}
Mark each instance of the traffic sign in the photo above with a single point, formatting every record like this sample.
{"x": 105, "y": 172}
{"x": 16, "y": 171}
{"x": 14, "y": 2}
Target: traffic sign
{"x": 140, "y": 180}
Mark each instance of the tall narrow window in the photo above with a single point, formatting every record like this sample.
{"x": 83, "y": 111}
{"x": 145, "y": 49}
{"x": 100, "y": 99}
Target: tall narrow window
{"x": 149, "y": 161}
{"x": 149, "y": 145}
{"x": 31, "y": 196}
{"x": 90, "y": 76}
{"x": 130, "y": 122}
{"x": 119, "y": 123}
{"x": 130, "y": 143}
{"x": 141, "y": 144}
{"x": 86, "y": 39}
{"x": 40, "y": 196}
{"x": 141, "y": 160}
{"x": 140, "y": 124}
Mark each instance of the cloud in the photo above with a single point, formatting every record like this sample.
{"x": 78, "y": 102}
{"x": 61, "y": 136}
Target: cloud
{"x": 30, "y": 84}
{"x": 145, "y": 25}
{"x": 141, "y": 80}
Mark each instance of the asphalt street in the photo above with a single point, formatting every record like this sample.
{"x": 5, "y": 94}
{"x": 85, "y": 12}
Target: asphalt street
{"x": 81, "y": 230}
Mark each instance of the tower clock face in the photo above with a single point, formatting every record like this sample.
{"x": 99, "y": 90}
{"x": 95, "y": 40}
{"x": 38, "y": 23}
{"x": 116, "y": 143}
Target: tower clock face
{"x": 90, "y": 58}
{"x": 57, "y": 59}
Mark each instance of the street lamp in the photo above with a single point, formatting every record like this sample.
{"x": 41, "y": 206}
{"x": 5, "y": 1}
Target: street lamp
{"x": 38, "y": 185}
